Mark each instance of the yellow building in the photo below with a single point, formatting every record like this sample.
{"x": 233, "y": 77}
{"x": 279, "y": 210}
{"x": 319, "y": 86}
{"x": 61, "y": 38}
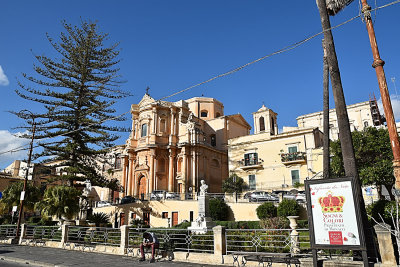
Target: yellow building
{"x": 268, "y": 160}
{"x": 175, "y": 145}
{"x": 361, "y": 115}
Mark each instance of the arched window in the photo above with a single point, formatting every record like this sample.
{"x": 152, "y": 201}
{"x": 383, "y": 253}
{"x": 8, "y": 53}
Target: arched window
{"x": 213, "y": 140}
{"x": 144, "y": 130}
{"x": 204, "y": 113}
{"x": 161, "y": 165}
{"x": 262, "y": 124}
{"x": 162, "y": 125}
{"x": 214, "y": 163}
{"x": 272, "y": 126}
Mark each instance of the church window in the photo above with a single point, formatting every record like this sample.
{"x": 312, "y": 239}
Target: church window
{"x": 162, "y": 126}
{"x": 204, "y": 114}
{"x": 262, "y": 124}
{"x": 213, "y": 140}
{"x": 144, "y": 130}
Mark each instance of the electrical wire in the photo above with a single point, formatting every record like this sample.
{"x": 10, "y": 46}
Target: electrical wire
{"x": 280, "y": 51}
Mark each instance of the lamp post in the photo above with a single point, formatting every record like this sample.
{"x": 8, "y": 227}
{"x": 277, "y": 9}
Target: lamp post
{"x": 21, "y": 207}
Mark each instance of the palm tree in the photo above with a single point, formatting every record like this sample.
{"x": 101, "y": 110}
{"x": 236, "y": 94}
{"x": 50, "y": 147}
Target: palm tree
{"x": 11, "y": 196}
{"x": 60, "y": 201}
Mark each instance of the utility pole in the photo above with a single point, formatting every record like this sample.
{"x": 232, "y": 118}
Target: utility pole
{"x": 21, "y": 207}
{"x": 326, "y": 141}
{"x": 344, "y": 129}
{"x": 387, "y": 105}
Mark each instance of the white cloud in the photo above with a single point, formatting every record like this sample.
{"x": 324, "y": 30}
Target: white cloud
{"x": 3, "y": 78}
{"x": 10, "y": 141}
{"x": 395, "y": 99}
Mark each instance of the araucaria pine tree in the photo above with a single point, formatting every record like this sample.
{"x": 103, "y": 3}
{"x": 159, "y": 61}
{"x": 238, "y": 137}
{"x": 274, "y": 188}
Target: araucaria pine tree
{"x": 77, "y": 90}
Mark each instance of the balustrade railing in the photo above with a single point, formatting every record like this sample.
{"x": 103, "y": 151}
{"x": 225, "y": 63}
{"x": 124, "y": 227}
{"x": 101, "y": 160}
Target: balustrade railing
{"x": 8, "y": 231}
{"x": 179, "y": 239}
{"x": 94, "y": 235}
{"x": 51, "y": 233}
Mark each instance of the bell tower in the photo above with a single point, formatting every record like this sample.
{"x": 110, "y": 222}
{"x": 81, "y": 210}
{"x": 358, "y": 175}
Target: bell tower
{"x": 265, "y": 121}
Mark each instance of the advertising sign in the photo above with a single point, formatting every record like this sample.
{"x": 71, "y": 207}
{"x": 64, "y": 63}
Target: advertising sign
{"x": 333, "y": 213}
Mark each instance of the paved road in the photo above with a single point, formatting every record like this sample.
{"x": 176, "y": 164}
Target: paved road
{"x": 10, "y": 264}
{"x": 50, "y": 257}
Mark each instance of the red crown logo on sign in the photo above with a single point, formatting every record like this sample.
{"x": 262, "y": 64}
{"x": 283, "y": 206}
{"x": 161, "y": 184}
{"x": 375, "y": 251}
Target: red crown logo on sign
{"x": 331, "y": 203}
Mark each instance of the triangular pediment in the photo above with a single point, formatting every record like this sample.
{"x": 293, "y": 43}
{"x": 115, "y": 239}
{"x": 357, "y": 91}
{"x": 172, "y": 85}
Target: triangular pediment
{"x": 146, "y": 100}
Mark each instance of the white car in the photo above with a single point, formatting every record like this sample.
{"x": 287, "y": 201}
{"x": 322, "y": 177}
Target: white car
{"x": 103, "y": 203}
{"x": 159, "y": 194}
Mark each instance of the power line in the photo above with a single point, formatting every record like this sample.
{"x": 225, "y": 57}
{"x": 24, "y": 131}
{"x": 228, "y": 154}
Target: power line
{"x": 280, "y": 51}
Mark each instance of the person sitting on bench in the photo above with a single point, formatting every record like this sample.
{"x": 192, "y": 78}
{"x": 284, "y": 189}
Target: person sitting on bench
{"x": 149, "y": 240}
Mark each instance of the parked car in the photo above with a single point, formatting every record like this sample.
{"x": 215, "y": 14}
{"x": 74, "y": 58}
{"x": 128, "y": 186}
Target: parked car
{"x": 127, "y": 200}
{"x": 159, "y": 194}
{"x": 299, "y": 196}
{"x": 103, "y": 203}
{"x": 258, "y": 196}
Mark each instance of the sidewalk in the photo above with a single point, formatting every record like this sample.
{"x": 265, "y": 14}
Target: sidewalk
{"x": 44, "y": 256}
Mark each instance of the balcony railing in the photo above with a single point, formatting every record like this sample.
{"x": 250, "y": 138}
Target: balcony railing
{"x": 293, "y": 157}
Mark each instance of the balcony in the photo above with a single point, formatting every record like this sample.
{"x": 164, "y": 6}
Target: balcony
{"x": 251, "y": 165}
{"x": 292, "y": 158}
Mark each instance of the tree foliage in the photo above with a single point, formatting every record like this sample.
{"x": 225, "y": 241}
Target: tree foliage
{"x": 233, "y": 184}
{"x": 99, "y": 218}
{"x": 11, "y": 196}
{"x": 266, "y": 210}
{"x": 60, "y": 201}
{"x": 373, "y": 157}
{"x": 218, "y": 209}
{"x": 288, "y": 207}
{"x": 77, "y": 90}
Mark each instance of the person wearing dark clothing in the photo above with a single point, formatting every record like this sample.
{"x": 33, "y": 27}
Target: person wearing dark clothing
{"x": 149, "y": 240}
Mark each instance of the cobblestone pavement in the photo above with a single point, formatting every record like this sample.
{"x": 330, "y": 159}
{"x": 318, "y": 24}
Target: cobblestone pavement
{"x": 43, "y": 256}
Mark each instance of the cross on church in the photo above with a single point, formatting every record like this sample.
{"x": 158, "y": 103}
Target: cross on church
{"x": 147, "y": 90}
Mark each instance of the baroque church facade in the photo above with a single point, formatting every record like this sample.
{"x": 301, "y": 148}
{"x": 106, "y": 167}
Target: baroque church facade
{"x": 175, "y": 145}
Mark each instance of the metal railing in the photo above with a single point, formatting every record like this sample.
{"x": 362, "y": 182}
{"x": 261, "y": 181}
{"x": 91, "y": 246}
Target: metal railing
{"x": 94, "y": 235}
{"x": 51, "y": 233}
{"x": 8, "y": 231}
{"x": 295, "y": 156}
{"x": 265, "y": 240}
{"x": 179, "y": 239}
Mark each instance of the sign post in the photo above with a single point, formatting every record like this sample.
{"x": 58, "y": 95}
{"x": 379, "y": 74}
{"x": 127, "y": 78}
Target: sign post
{"x": 334, "y": 217}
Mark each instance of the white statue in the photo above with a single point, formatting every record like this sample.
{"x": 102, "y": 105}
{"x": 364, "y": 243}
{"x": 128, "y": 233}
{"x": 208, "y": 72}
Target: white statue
{"x": 88, "y": 188}
{"x": 203, "y": 188}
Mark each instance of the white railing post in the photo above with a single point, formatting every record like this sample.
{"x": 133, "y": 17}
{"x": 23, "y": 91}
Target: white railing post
{"x": 294, "y": 235}
{"x": 23, "y": 232}
{"x": 124, "y": 238}
{"x": 219, "y": 241}
{"x": 64, "y": 234}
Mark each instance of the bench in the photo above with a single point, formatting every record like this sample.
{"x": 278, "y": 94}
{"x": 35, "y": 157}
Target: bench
{"x": 265, "y": 258}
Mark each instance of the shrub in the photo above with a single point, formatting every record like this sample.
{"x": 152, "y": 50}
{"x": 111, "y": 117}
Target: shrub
{"x": 302, "y": 224}
{"x": 218, "y": 209}
{"x": 274, "y": 223}
{"x": 266, "y": 210}
{"x": 233, "y": 184}
{"x": 383, "y": 208}
{"x": 288, "y": 207}
{"x": 182, "y": 225}
{"x": 99, "y": 218}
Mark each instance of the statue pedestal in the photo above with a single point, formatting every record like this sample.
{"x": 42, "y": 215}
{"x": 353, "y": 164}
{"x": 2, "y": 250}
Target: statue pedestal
{"x": 201, "y": 225}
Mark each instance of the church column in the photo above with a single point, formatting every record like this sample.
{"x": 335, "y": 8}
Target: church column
{"x": 171, "y": 170}
{"x": 184, "y": 171}
{"x": 125, "y": 174}
{"x": 194, "y": 170}
{"x": 152, "y": 172}
{"x": 130, "y": 176}
{"x": 155, "y": 120}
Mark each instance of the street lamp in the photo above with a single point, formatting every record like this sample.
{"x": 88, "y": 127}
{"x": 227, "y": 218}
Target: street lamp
{"x": 21, "y": 207}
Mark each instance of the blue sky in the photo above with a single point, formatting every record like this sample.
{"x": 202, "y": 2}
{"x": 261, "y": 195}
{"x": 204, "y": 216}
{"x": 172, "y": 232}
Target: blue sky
{"x": 171, "y": 45}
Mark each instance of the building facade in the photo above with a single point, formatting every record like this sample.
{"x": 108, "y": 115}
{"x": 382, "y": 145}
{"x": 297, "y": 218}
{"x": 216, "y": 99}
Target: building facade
{"x": 361, "y": 115}
{"x": 175, "y": 145}
{"x": 269, "y": 160}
